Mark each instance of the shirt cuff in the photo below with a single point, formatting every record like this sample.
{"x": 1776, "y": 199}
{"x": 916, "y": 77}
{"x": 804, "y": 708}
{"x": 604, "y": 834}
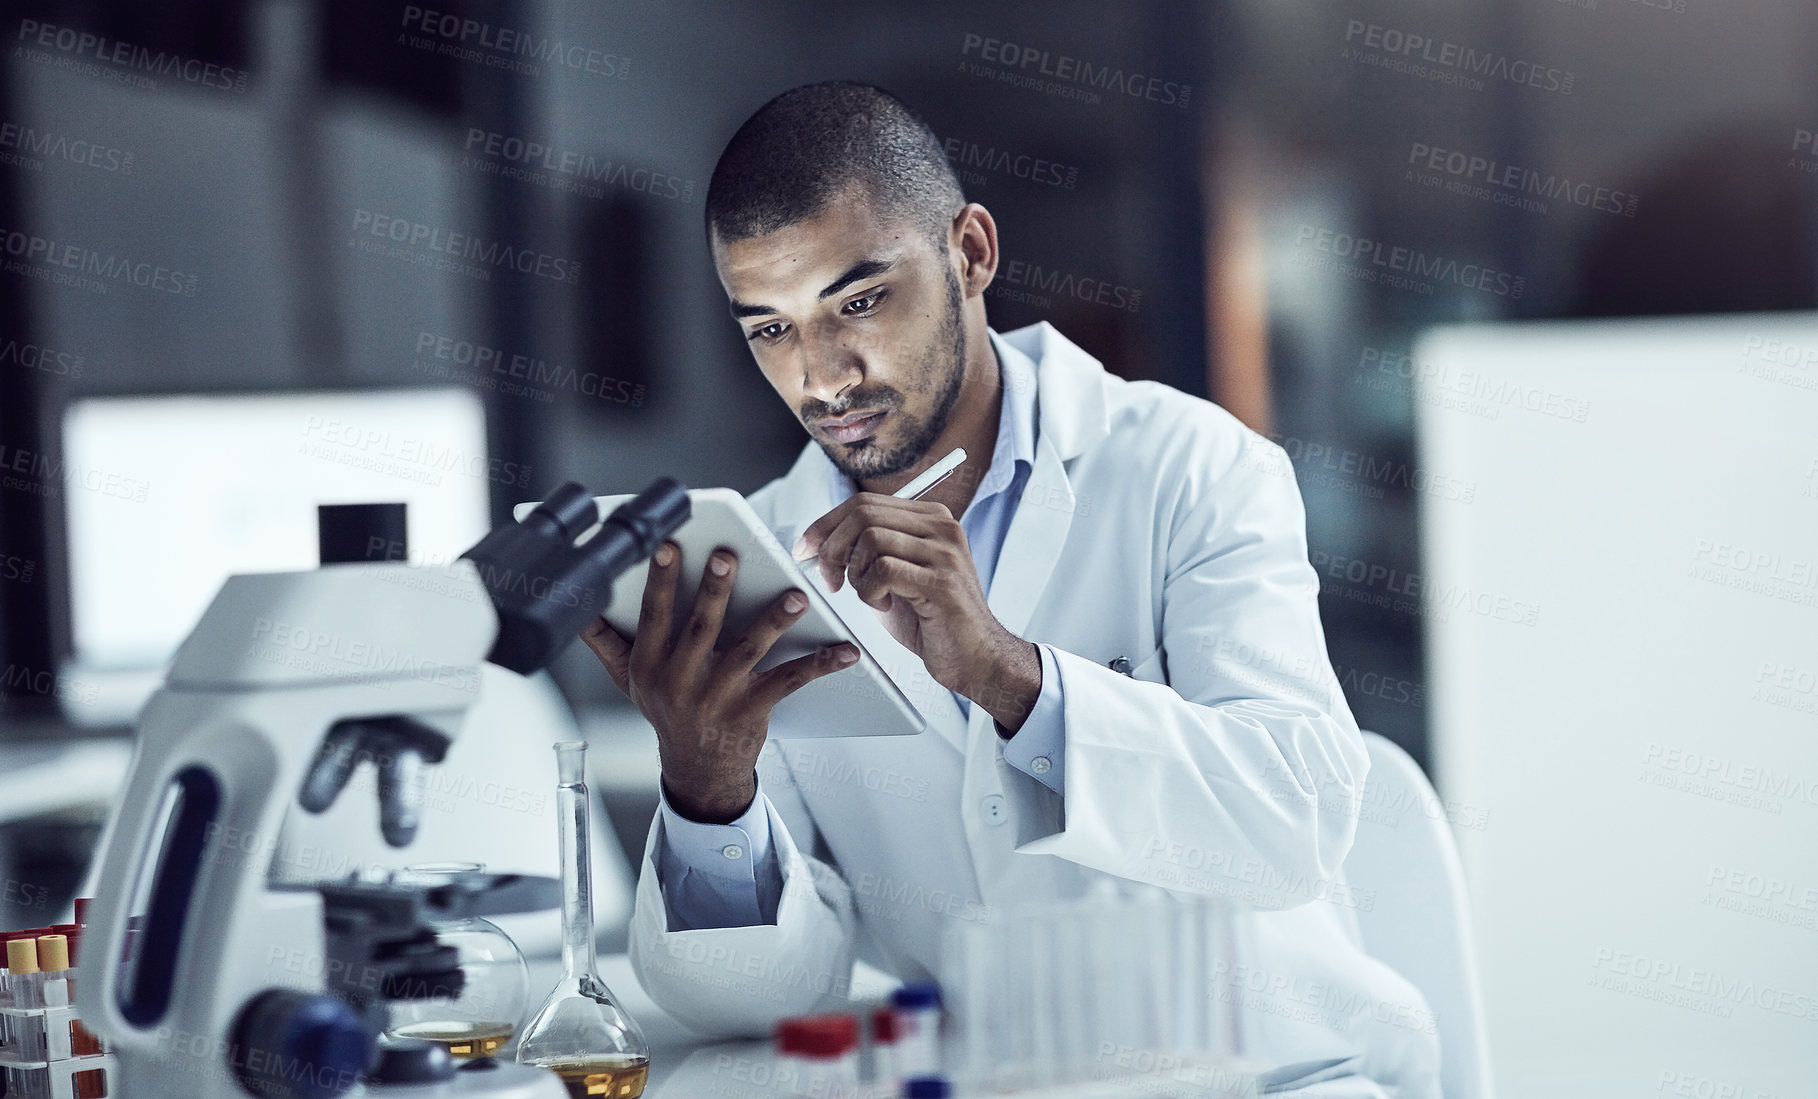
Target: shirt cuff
{"x": 730, "y": 851}
{"x": 1038, "y": 749}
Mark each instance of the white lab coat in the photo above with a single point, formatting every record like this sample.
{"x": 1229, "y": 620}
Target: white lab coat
{"x": 1156, "y": 527}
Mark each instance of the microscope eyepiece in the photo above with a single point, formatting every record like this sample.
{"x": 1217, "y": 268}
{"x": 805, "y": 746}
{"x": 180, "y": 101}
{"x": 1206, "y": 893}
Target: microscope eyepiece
{"x": 568, "y": 511}
{"x": 544, "y": 587}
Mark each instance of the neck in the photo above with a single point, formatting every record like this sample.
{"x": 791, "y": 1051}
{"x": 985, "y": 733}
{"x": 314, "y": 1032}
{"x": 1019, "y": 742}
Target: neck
{"x": 973, "y": 425}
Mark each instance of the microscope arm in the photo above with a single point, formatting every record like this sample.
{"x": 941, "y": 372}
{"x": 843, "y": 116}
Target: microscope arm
{"x": 545, "y": 580}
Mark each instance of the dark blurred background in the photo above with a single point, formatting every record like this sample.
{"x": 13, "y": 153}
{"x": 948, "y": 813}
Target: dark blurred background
{"x": 232, "y": 202}
{"x": 1203, "y": 201}
{"x": 1593, "y": 158}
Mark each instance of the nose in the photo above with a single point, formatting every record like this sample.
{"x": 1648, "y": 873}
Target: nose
{"x": 829, "y": 368}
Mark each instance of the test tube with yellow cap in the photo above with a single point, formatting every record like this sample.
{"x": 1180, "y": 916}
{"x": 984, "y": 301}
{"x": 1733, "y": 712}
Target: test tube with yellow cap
{"x": 53, "y": 970}
{"x": 23, "y": 972}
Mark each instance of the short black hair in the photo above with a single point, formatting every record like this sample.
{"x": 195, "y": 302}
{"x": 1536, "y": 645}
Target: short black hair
{"x": 809, "y": 143}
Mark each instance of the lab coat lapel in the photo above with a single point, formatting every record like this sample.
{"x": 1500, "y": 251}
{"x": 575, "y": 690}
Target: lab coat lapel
{"x": 1070, "y": 413}
{"x": 1032, "y": 545}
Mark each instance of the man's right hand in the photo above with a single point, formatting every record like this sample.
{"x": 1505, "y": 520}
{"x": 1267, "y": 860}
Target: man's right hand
{"x": 710, "y": 711}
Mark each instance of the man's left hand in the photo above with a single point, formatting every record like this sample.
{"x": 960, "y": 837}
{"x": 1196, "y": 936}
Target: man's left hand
{"x": 909, "y": 561}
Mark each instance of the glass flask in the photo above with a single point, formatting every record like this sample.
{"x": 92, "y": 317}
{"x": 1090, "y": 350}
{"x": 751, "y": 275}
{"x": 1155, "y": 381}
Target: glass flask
{"x": 581, "y": 1033}
{"x": 495, "y": 988}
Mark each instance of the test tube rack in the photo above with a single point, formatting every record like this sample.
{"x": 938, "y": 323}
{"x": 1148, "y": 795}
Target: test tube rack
{"x": 38, "y": 1056}
{"x": 45, "y": 1051}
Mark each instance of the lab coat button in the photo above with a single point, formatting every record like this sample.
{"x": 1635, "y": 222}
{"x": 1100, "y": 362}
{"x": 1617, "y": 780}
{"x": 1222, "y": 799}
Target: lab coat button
{"x": 1041, "y": 765}
{"x": 994, "y": 810}
{"x": 733, "y": 851}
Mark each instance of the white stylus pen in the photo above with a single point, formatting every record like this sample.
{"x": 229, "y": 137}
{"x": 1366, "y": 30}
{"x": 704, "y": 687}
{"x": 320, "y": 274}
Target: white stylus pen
{"x": 932, "y": 476}
{"x": 929, "y": 477}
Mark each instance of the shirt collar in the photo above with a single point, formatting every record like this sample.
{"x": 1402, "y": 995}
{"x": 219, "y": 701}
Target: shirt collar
{"x": 1015, "y": 428}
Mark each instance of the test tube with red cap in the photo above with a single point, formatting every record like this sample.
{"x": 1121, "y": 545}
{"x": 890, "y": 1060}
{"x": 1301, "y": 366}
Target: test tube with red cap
{"x": 82, "y": 1041}
{"x": 884, "y": 1071}
{"x": 818, "y": 1055}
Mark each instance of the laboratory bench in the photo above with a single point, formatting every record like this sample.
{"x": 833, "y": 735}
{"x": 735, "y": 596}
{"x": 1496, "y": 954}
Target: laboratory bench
{"x": 684, "y": 1065}
{"x": 47, "y": 767}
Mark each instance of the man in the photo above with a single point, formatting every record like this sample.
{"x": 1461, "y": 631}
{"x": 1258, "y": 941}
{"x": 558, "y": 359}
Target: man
{"x": 1125, "y": 674}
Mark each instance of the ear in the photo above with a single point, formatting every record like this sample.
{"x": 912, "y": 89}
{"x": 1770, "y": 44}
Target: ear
{"x": 974, "y": 240}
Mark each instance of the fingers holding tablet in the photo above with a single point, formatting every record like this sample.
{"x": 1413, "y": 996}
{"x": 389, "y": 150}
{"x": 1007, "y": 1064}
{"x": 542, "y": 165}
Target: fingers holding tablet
{"x": 612, "y": 650}
{"x": 693, "y": 646}
{"x": 677, "y": 672}
{"x": 680, "y": 631}
{"x": 710, "y": 711}
{"x": 792, "y": 675}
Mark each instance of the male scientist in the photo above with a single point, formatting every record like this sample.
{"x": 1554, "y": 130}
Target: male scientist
{"x": 1121, "y": 621}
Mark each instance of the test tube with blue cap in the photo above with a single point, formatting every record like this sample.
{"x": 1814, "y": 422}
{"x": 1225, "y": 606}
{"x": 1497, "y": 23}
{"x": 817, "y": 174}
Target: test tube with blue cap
{"x": 917, "y": 1006}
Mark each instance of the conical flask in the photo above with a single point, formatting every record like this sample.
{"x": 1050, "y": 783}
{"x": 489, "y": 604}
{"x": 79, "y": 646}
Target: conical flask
{"x": 581, "y": 1033}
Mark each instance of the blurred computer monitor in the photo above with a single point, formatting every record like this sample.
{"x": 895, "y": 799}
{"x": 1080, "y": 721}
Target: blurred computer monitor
{"x": 1621, "y": 620}
{"x": 169, "y": 495}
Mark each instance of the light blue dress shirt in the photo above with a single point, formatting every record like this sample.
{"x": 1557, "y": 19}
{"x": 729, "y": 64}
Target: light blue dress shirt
{"x": 726, "y": 875}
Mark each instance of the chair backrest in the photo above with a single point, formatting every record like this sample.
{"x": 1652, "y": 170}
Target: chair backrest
{"x": 1420, "y": 922}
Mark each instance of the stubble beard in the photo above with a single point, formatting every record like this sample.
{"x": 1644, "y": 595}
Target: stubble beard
{"x": 868, "y": 459}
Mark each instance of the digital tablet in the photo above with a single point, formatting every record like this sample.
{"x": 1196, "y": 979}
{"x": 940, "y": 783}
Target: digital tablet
{"x": 858, "y": 700}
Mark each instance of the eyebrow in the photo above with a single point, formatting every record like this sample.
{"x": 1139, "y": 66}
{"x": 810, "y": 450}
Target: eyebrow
{"x": 863, "y": 269}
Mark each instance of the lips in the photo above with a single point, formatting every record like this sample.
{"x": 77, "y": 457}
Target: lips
{"x": 853, "y": 426}
{"x": 831, "y": 422}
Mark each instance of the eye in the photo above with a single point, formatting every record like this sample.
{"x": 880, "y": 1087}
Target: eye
{"x": 769, "y": 333}
{"x": 865, "y": 304}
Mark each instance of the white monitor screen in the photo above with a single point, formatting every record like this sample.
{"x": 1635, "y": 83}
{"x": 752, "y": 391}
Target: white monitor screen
{"x": 1622, "y": 639}
{"x": 167, "y": 496}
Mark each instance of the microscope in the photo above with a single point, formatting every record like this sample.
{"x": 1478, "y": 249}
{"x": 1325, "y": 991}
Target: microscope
{"x": 206, "y": 976}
